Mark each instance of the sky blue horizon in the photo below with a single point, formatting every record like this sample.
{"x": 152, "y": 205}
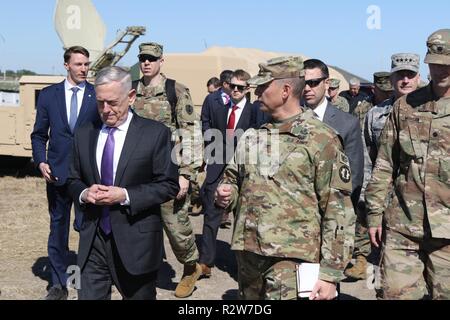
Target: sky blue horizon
{"x": 335, "y": 32}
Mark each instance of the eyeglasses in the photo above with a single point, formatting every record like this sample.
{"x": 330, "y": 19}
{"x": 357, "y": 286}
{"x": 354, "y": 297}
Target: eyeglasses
{"x": 239, "y": 87}
{"x": 312, "y": 83}
{"x": 145, "y": 57}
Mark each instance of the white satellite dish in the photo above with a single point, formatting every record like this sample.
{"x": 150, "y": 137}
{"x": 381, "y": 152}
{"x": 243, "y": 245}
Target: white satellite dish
{"x": 78, "y": 23}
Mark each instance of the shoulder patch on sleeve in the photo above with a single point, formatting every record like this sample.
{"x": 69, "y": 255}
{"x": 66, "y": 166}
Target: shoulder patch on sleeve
{"x": 342, "y": 177}
{"x": 189, "y": 109}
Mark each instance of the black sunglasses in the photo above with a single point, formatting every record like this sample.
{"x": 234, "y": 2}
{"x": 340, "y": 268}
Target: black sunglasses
{"x": 145, "y": 57}
{"x": 239, "y": 87}
{"x": 314, "y": 82}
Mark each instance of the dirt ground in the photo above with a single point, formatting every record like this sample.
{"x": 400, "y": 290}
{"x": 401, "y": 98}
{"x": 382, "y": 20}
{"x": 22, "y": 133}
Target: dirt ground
{"x": 24, "y": 269}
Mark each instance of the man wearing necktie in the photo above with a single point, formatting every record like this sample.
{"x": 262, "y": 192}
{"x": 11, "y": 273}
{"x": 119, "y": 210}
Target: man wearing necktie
{"x": 120, "y": 177}
{"x": 61, "y": 109}
{"x": 229, "y": 121}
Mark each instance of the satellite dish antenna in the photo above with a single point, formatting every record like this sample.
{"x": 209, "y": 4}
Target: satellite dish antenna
{"x": 78, "y": 23}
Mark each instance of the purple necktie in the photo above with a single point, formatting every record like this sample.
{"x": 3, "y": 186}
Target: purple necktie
{"x": 107, "y": 176}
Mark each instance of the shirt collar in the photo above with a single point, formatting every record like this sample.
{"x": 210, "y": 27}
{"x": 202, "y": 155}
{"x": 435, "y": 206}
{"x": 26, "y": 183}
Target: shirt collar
{"x": 241, "y": 104}
{"x": 69, "y": 86}
{"x": 320, "y": 109}
{"x": 124, "y": 126}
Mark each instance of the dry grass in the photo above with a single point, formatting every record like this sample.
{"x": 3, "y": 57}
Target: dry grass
{"x": 24, "y": 227}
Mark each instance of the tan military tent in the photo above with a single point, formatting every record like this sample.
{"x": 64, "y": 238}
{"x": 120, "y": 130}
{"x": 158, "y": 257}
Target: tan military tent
{"x": 195, "y": 69}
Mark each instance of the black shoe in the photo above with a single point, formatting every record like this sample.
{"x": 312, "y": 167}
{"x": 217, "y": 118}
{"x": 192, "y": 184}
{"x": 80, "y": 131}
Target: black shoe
{"x": 56, "y": 293}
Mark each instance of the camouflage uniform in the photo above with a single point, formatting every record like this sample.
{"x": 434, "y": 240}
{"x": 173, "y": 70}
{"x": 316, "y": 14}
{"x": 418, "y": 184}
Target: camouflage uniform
{"x": 293, "y": 205}
{"x": 341, "y": 103}
{"x": 152, "y": 103}
{"x": 373, "y": 125}
{"x": 361, "y": 110}
{"x": 413, "y": 159}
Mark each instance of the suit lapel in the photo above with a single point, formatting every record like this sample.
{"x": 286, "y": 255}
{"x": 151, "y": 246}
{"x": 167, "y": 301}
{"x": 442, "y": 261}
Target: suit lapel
{"x": 61, "y": 104}
{"x": 131, "y": 141}
{"x": 93, "y": 139}
{"x": 329, "y": 115}
{"x": 245, "y": 117}
{"x": 222, "y": 114}
{"x": 89, "y": 94}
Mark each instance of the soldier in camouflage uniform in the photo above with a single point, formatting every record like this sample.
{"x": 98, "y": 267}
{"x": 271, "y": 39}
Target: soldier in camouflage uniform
{"x": 403, "y": 79}
{"x": 292, "y": 195}
{"x": 382, "y": 91}
{"x": 414, "y": 161}
{"x": 153, "y": 102}
{"x": 334, "y": 98}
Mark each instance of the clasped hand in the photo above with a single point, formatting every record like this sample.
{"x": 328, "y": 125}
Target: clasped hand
{"x": 103, "y": 195}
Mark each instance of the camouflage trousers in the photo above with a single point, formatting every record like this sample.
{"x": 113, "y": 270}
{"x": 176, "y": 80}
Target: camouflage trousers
{"x": 265, "y": 278}
{"x": 179, "y": 230}
{"x": 362, "y": 239}
{"x": 195, "y": 188}
{"x": 413, "y": 269}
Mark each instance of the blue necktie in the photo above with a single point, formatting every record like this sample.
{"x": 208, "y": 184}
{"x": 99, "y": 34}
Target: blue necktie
{"x": 73, "y": 109}
{"x": 107, "y": 176}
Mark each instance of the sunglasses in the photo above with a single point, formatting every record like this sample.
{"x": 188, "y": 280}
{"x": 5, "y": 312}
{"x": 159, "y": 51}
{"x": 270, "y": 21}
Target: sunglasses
{"x": 145, "y": 57}
{"x": 239, "y": 87}
{"x": 314, "y": 82}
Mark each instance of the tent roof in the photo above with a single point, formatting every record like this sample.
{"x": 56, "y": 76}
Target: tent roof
{"x": 195, "y": 69}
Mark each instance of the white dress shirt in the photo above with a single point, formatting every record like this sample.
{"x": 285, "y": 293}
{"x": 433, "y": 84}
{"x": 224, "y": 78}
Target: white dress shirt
{"x": 237, "y": 112}
{"x": 119, "y": 140}
{"x": 68, "y": 93}
{"x": 320, "y": 109}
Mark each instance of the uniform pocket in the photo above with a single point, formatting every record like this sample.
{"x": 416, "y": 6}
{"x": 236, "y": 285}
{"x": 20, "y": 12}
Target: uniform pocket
{"x": 444, "y": 171}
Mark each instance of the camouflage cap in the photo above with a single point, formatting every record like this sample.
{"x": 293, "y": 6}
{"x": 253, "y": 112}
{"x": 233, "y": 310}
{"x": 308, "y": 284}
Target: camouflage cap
{"x": 439, "y": 47}
{"x": 334, "y": 83}
{"x": 151, "y": 48}
{"x": 382, "y": 80}
{"x": 278, "y": 68}
{"x": 405, "y": 61}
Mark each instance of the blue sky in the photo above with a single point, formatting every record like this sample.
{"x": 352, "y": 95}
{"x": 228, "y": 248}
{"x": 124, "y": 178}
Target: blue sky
{"x": 334, "y": 31}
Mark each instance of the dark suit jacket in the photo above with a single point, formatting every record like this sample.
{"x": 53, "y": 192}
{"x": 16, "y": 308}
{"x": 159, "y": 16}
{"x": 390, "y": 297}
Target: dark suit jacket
{"x": 145, "y": 169}
{"x": 52, "y": 116}
{"x": 214, "y": 116}
{"x": 349, "y": 129}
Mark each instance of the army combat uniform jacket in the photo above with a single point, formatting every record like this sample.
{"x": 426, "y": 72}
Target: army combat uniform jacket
{"x": 293, "y": 194}
{"x": 153, "y": 103}
{"x": 341, "y": 103}
{"x": 373, "y": 126}
{"x": 414, "y": 160}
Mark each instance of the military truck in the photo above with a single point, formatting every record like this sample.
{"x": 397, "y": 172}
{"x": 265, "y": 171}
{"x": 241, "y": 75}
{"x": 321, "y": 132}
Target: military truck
{"x": 16, "y": 122}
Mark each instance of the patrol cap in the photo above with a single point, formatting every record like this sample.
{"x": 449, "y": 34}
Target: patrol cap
{"x": 334, "y": 83}
{"x": 439, "y": 47}
{"x": 278, "y": 68}
{"x": 382, "y": 81}
{"x": 151, "y": 48}
{"x": 405, "y": 61}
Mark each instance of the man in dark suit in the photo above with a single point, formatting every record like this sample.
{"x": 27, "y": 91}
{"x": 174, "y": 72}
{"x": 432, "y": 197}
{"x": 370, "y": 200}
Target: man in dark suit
{"x": 222, "y": 127}
{"x": 347, "y": 126}
{"x": 120, "y": 174}
{"x": 61, "y": 109}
